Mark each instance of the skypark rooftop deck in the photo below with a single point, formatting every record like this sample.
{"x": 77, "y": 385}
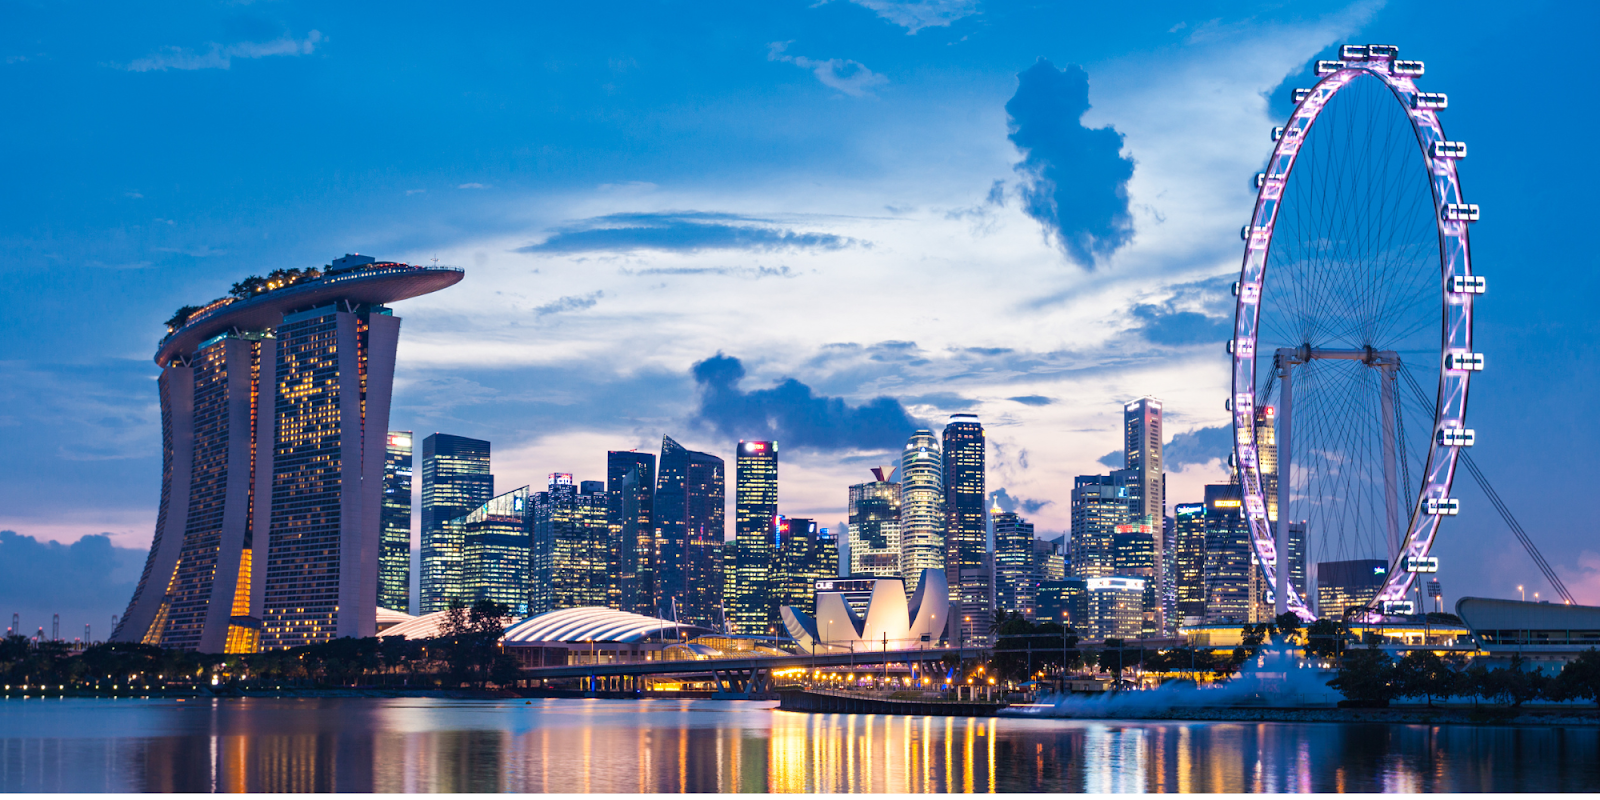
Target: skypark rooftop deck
{"x": 382, "y": 282}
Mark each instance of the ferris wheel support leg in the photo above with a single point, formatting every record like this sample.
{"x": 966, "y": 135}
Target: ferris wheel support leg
{"x": 1280, "y": 537}
{"x": 1391, "y": 497}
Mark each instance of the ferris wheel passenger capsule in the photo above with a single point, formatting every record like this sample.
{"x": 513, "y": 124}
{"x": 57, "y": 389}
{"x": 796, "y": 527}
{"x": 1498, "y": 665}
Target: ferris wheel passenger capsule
{"x": 1448, "y": 150}
{"x": 1457, "y": 437}
{"x": 1464, "y": 362}
{"x": 1442, "y": 507}
{"x": 1299, "y": 95}
{"x": 1382, "y": 51}
{"x": 1461, "y": 212}
{"x": 1408, "y": 69}
{"x": 1468, "y": 284}
{"x": 1277, "y": 133}
{"x": 1350, "y": 51}
{"x": 1430, "y": 101}
{"x": 1261, "y": 179}
{"x": 1329, "y": 67}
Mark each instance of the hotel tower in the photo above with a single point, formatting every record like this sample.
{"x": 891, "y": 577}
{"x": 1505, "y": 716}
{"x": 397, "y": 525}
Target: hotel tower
{"x": 274, "y": 429}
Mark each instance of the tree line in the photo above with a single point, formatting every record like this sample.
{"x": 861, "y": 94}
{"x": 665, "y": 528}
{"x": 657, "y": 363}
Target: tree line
{"x": 465, "y": 654}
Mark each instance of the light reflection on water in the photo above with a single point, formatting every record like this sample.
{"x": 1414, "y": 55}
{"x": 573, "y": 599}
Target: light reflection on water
{"x": 428, "y": 745}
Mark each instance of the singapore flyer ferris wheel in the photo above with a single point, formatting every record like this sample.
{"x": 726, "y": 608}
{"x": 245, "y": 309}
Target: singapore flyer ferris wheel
{"x": 1356, "y": 291}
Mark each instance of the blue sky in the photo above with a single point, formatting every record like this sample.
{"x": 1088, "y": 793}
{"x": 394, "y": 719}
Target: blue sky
{"x": 853, "y": 200}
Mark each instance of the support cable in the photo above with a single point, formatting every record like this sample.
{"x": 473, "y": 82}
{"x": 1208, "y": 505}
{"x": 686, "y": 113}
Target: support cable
{"x": 1500, "y": 506}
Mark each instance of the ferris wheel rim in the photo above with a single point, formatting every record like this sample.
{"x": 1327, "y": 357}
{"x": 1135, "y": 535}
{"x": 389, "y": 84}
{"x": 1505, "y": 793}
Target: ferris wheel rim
{"x": 1451, "y": 222}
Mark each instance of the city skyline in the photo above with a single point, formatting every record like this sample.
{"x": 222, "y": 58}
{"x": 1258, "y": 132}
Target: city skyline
{"x": 560, "y": 347}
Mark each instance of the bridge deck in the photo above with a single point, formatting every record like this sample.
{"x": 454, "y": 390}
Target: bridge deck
{"x": 706, "y": 666}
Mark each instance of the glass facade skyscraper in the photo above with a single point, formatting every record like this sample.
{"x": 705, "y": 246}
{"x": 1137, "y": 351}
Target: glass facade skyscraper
{"x": 1099, "y": 505}
{"x": 455, "y": 481}
{"x": 274, "y": 410}
{"x": 874, "y": 533}
{"x": 966, "y": 540}
{"x": 1146, "y": 484}
{"x": 1015, "y": 576}
{"x": 496, "y": 551}
{"x": 806, "y": 554}
{"x": 570, "y": 545}
{"x": 1228, "y": 557}
{"x": 1189, "y": 529}
{"x": 690, "y": 528}
{"x": 630, "y": 496}
{"x": 394, "y": 555}
{"x": 752, "y": 607}
{"x": 922, "y": 512}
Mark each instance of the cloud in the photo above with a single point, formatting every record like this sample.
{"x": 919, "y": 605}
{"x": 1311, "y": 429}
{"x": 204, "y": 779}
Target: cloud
{"x": 85, "y": 582}
{"x": 682, "y": 232}
{"x": 850, "y": 77}
{"x": 1075, "y": 179}
{"x": 1032, "y": 400}
{"x": 914, "y": 15}
{"x": 1025, "y": 505}
{"x": 1199, "y": 446}
{"x": 569, "y": 303}
{"x": 473, "y": 186}
{"x": 221, "y": 56}
{"x": 792, "y": 414}
{"x": 1161, "y": 324}
{"x": 753, "y": 273}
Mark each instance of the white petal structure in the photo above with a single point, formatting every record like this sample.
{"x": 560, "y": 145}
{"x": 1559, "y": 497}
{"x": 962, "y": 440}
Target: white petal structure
{"x": 890, "y": 621}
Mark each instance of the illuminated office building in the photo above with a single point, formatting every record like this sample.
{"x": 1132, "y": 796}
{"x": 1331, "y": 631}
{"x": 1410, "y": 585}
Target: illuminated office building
{"x": 1015, "y": 579}
{"x": 570, "y": 545}
{"x": 1064, "y": 602}
{"x": 1049, "y": 564}
{"x": 806, "y": 554}
{"x": 1146, "y": 486}
{"x": 690, "y": 528}
{"x": 630, "y": 495}
{"x": 1189, "y": 529}
{"x": 1136, "y": 556}
{"x": 1228, "y": 557}
{"x": 1115, "y": 607}
{"x": 922, "y": 513}
{"x": 966, "y": 538}
{"x": 394, "y": 552}
{"x": 874, "y": 534}
{"x": 497, "y": 550}
{"x": 752, "y": 608}
{"x": 268, "y": 532}
{"x": 455, "y": 480}
{"x": 1346, "y": 585}
{"x": 1099, "y": 505}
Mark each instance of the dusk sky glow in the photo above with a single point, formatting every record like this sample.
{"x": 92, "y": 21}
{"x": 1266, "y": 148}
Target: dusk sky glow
{"x": 821, "y": 223}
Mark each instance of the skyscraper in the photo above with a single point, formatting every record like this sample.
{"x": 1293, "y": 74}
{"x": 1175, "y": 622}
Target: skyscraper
{"x": 269, "y": 526}
{"x": 806, "y": 554}
{"x": 394, "y": 554}
{"x": 922, "y": 512}
{"x": 630, "y": 495}
{"x": 496, "y": 551}
{"x": 570, "y": 538}
{"x": 1015, "y": 577}
{"x": 1227, "y": 557}
{"x": 752, "y": 607}
{"x": 874, "y": 533}
{"x": 1141, "y": 429}
{"x": 966, "y": 541}
{"x": 1189, "y": 528}
{"x": 690, "y": 527}
{"x": 455, "y": 481}
{"x": 1346, "y": 585}
{"x": 1099, "y": 505}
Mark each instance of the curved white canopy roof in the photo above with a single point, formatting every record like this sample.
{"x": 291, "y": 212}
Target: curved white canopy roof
{"x": 592, "y": 624}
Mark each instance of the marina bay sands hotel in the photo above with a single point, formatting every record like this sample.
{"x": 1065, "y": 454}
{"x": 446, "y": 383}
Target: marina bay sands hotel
{"x": 274, "y": 418}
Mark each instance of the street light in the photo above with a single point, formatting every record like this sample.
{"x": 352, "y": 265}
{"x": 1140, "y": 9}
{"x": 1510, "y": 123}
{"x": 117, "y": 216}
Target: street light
{"x": 1524, "y": 594}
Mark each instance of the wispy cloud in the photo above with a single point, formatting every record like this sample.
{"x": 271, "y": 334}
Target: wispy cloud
{"x": 914, "y": 15}
{"x": 851, "y": 77}
{"x": 220, "y": 56}
{"x": 473, "y": 186}
{"x": 682, "y": 232}
{"x": 569, "y": 303}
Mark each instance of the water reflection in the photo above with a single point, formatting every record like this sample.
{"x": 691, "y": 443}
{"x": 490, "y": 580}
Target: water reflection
{"x": 412, "y": 745}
